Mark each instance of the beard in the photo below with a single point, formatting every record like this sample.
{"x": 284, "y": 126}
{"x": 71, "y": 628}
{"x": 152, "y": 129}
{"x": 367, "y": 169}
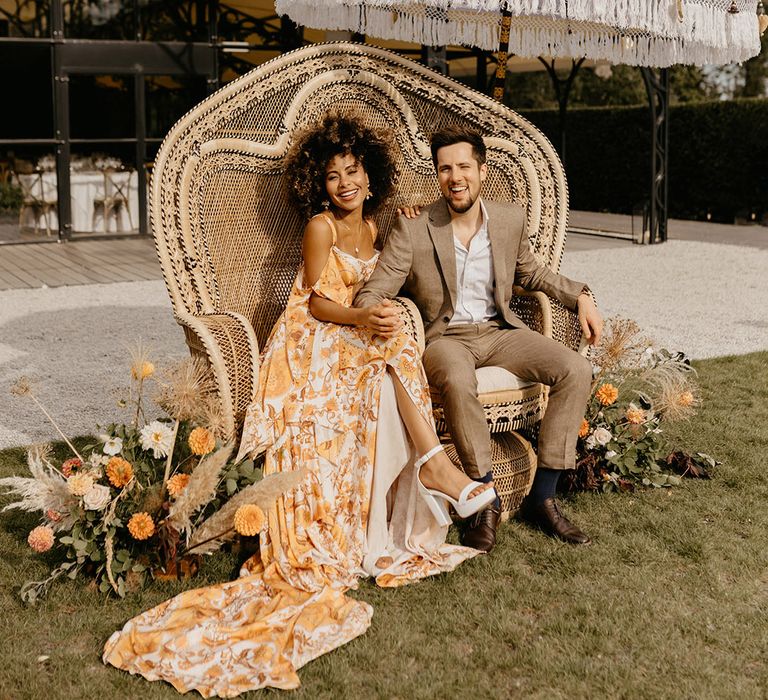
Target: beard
{"x": 461, "y": 208}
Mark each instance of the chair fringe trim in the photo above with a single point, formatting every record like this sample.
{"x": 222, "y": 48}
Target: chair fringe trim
{"x": 654, "y": 33}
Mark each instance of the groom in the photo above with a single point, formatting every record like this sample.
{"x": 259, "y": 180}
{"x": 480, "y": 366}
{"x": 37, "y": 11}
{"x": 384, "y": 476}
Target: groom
{"x": 458, "y": 261}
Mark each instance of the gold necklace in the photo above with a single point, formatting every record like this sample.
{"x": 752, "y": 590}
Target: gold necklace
{"x": 348, "y": 229}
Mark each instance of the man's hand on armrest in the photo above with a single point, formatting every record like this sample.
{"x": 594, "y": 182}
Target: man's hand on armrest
{"x": 590, "y": 318}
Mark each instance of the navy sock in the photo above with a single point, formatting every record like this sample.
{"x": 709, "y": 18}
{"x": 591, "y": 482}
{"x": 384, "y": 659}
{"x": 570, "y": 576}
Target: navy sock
{"x": 544, "y": 484}
{"x": 487, "y": 478}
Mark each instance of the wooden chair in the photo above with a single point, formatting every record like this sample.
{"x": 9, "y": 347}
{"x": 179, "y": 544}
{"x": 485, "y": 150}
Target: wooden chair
{"x": 40, "y": 199}
{"x": 229, "y": 242}
{"x": 113, "y": 199}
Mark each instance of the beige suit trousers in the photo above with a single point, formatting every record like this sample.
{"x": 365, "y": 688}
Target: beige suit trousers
{"x": 450, "y": 362}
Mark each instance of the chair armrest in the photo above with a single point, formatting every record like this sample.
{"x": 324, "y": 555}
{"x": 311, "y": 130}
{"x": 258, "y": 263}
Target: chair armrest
{"x": 550, "y": 318}
{"x": 413, "y": 325}
{"x": 534, "y": 309}
{"x": 227, "y": 342}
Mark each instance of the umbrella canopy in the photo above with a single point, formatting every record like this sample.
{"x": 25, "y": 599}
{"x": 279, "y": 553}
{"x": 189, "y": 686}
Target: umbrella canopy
{"x": 640, "y": 32}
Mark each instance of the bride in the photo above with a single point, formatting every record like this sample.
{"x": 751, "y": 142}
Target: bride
{"x": 342, "y": 393}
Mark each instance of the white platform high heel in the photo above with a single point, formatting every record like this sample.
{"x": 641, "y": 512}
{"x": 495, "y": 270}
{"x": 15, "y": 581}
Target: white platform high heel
{"x": 438, "y": 501}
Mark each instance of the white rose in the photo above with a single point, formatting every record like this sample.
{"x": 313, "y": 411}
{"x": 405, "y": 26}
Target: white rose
{"x": 113, "y": 446}
{"x": 602, "y": 436}
{"x": 97, "y": 497}
{"x": 590, "y": 442}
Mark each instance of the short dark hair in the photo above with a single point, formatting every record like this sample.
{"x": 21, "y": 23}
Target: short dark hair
{"x": 338, "y": 134}
{"x": 449, "y": 135}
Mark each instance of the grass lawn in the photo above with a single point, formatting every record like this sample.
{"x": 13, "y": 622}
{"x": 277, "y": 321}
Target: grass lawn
{"x": 670, "y": 601}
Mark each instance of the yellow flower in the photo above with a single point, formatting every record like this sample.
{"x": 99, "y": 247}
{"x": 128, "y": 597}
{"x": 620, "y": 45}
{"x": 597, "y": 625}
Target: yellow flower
{"x": 635, "y": 415}
{"x": 176, "y": 484}
{"x": 141, "y": 526}
{"x": 607, "y": 394}
{"x": 79, "y": 484}
{"x": 119, "y": 472}
{"x": 249, "y": 520}
{"x": 201, "y": 441}
{"x": 41, "y": 538}
{"x": 686, "y": 399}
{"x": 584, "y": 429}
{"x": 142, "y": 370}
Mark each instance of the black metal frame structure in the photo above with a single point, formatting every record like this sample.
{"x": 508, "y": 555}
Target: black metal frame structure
{"x": 657, "y": 87}
{"x": 134, "y": 58}
{"x": 203, "y": 22}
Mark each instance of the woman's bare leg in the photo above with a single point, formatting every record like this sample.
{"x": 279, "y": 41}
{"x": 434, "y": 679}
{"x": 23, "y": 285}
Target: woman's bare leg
{"x": 438, "y": 472}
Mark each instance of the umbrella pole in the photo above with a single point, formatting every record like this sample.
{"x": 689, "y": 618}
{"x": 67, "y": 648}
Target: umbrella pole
{"x": 501, "y": 56}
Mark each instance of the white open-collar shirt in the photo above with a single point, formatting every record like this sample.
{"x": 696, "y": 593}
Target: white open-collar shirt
{"x": 474, "y": 277}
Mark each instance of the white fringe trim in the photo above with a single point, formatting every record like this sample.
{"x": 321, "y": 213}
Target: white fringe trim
{"x": 619, "y": 31}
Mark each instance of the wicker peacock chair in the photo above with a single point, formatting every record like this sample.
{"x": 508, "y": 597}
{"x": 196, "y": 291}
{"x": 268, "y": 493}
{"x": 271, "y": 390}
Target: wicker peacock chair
{"x": 229, "y": 243}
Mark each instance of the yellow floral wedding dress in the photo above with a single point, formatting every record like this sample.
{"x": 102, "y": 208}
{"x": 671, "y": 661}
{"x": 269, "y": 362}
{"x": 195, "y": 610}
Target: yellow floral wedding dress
{"x": 325, "y": 403}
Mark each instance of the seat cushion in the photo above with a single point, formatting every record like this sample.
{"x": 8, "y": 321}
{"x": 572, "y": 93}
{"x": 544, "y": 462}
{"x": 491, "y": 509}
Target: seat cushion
{"x": 491, "y": 380}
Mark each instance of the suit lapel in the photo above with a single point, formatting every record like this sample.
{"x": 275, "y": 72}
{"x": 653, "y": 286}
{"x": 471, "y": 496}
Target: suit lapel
{"x": 499, "y": 242}
{"x": 441, "y": 232}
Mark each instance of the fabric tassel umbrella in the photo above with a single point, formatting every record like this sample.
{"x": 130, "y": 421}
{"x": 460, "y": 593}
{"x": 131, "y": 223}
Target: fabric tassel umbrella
{"x": 656, "y": 33}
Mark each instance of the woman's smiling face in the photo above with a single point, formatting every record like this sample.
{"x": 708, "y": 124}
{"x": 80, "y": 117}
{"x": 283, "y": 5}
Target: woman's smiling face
{"x": 346, "y": 182}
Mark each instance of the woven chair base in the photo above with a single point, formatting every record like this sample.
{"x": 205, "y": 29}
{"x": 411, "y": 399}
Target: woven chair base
{"x": 518, "y": 409}
{"x": 513, "y": 463}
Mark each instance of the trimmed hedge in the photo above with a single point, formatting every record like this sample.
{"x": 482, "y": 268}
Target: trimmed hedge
{"x": 718, "y": 157}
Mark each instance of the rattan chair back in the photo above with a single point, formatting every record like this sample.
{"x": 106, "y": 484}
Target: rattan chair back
{"x": 228, "y": 240}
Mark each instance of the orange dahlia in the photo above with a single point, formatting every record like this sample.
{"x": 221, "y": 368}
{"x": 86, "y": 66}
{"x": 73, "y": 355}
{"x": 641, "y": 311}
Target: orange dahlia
{"x": 635, "y": 415}
{"x": 202, "y": 441}
{"x": 70, "y": 466}
{"x": 607, "y": 394}
{"x": 249, "y": 520}
{"x": 584, "y": 428}
{"x": 119, "y": 472}
{"x": 41, "y": 538}
{"x": 141, "y": 526}
{"x": 176, "y": 484}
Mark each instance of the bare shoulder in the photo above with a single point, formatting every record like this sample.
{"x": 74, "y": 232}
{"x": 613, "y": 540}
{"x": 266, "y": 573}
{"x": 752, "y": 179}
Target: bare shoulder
{"x": 318, "y": 232}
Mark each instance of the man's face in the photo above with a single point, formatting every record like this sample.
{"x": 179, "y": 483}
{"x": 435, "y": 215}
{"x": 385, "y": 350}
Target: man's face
{"x": 459, "y": 176}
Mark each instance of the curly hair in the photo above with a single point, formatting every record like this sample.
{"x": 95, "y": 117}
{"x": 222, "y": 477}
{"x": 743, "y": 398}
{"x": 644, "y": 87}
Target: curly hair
{"x": 339, "y": 134}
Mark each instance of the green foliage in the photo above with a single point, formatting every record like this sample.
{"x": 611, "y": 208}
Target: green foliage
{"x": 624, "y": 88}
{"x": 666, "y": 603}
{"x": 98, "y": 540}
{"x": 717, "y": 158}
{"x": 11, "y": 197}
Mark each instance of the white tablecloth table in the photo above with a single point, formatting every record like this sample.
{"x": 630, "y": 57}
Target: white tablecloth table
{"x": 88, "y": 188}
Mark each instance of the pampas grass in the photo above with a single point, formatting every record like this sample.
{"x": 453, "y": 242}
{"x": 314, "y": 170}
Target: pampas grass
{"x": 200, "y": 489}
{"x": 45, "y": 490}
{"x": 219, "y": 528}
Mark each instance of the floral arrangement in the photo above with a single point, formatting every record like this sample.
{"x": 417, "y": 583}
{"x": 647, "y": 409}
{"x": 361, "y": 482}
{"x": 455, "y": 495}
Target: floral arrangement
{"x": 102, "y": 162}
{"x": 149, "y": 497}
{"x": 637, "y": 388}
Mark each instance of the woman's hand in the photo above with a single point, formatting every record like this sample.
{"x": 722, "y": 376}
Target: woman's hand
{"x": 410, "y": 211}
{"x": 382, "y": 319}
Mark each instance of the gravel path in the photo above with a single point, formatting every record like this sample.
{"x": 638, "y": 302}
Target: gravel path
{"x": 706, "y": 299}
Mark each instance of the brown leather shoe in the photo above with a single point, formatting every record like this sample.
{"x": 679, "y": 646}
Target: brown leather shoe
{"x": 548, "y": 517}
{"x": 480, "y": 530}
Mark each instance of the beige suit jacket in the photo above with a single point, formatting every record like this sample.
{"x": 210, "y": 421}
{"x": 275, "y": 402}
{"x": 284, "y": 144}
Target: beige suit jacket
{"x": 419, "y": 262}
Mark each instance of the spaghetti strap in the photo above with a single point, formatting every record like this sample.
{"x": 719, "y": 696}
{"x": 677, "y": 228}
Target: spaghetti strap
{"x": 331, "y": 223}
